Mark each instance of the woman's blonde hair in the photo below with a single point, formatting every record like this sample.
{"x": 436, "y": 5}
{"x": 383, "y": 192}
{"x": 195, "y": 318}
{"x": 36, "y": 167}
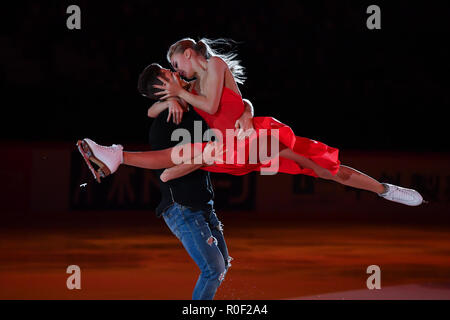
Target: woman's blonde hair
{"x": 204, "y": 48}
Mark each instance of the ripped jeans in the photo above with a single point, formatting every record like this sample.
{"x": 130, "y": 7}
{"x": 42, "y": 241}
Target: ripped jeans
{"x": 202, "y": 236}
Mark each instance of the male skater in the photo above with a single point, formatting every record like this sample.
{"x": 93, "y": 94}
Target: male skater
{"x": 187, "y": 202}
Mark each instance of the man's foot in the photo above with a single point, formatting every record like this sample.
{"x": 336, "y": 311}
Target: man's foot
{"x": 398, "y": 194}
{"x": 107, "y": 159}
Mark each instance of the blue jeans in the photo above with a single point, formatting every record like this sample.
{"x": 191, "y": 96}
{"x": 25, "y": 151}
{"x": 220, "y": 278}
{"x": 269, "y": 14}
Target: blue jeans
{"x": 202, "y": 236}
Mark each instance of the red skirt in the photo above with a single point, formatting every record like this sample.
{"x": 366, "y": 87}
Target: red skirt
{"x": 318, "y": 152}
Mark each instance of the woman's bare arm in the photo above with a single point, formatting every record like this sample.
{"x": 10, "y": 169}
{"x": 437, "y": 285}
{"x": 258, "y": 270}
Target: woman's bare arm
{"x": 210, "y": 99}
{"x": 248, "y": 107}
{"x": 176, "y": 108}
{"x": 156, "y": 108}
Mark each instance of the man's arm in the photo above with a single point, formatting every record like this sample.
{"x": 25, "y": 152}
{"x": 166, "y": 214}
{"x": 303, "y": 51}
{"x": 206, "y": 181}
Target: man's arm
{"x": 245, "y": 122}
{"x": 179, "y": 171}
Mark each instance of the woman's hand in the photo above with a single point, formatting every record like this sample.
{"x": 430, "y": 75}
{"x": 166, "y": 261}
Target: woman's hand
{"x": 175, "y": 110}
{"x": 171, "y": 87}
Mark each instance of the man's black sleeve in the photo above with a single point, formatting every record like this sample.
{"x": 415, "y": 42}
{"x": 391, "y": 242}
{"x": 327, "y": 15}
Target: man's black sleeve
{"x": 161, "y": 132}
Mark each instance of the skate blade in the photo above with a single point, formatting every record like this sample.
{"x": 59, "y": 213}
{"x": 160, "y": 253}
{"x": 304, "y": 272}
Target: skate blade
{"x": 88, "y": 156}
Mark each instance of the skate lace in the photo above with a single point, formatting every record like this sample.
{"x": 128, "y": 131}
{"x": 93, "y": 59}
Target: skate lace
{"x": 110, "y": 149}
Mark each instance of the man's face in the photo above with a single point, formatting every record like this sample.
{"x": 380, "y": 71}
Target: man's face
{"x": 166, "y": 73}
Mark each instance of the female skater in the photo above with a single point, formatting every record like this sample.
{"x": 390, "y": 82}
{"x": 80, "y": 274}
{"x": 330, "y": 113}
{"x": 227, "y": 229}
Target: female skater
{"x": 217, "y": 99}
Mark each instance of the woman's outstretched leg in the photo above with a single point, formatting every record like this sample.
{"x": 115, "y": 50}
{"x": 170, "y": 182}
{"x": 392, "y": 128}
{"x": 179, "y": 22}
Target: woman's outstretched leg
{"x": 109, "y": 158}
{"x": 198, "y": 153}
{"x": 354, "y": 178}
{"x": 158, "y": 159}
{"x": 346, "y": 175}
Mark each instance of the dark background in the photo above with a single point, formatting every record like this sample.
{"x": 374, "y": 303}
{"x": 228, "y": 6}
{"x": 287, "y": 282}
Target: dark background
{"x": 313, "y": 65}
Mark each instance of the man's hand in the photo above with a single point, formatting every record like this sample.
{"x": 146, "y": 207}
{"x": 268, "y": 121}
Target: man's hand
{"x": 245, "y": 125}
{"x": 178, "y": 171}
{"x": 175, "y": 110}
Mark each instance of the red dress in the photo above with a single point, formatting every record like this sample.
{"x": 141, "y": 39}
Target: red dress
{"x": 231, "y": 108}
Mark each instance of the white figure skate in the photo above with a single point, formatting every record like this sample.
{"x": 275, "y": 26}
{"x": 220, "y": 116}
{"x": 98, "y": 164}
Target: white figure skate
{"x": 107, "y": 159}
{"x": 409, "y": 197}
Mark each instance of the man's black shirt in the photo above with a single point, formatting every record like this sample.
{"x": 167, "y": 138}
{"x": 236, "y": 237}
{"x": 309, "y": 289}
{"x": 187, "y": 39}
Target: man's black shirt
{"x": 194, "y": 189}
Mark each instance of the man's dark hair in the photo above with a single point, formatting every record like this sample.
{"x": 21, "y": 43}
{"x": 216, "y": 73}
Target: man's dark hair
{"x": 147, "y": 79}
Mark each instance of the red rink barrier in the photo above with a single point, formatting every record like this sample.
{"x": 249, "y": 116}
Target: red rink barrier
{"x": 50, "y": 177}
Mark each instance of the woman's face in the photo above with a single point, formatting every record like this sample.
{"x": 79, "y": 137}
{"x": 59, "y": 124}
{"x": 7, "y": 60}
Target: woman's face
{"x": 181, "y": 63}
